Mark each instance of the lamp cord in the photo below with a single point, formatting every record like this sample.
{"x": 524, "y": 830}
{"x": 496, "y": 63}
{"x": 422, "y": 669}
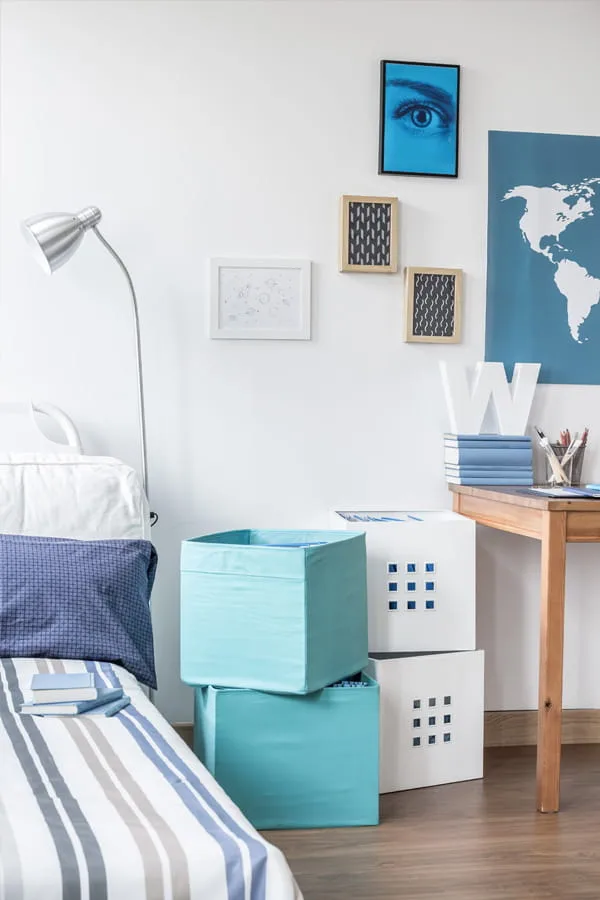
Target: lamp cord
{"x": 138, "y": 356}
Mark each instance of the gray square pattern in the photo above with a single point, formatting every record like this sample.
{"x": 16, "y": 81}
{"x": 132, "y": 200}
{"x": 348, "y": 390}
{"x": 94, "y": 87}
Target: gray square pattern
{"x": 439, "y": 718}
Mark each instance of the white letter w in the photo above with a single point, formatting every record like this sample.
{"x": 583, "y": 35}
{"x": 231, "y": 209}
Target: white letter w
{"x": 467, "y": 406}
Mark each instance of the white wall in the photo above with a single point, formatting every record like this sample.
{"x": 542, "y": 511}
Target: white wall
{"x": 218, "y": 128}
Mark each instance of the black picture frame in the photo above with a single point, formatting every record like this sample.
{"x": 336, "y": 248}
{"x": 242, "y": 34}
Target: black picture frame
{"x": 437, "y": 101}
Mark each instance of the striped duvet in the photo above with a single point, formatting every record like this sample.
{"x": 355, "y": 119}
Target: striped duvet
{"x": 118, "y": 809}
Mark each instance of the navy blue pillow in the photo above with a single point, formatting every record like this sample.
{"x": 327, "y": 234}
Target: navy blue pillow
{"x": 70, "y": 599}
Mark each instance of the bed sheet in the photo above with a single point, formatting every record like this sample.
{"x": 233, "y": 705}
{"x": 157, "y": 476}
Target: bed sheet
{"x": 95, "y": 808}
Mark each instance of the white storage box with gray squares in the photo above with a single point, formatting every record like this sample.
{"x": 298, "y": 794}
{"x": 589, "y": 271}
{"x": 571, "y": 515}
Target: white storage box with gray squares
{"x": 420, "y": 577}
{"x": 431, "y": 718}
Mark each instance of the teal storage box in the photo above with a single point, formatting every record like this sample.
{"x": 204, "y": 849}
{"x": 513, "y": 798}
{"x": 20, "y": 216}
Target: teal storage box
{"x": 282, "y": 611}
{"x": 294, "y": 762}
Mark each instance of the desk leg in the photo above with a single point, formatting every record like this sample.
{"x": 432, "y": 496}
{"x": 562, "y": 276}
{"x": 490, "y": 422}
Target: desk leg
{"x": 552, "y": 614}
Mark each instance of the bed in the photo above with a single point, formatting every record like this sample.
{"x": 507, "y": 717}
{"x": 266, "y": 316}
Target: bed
{"x": 95, "y": 808}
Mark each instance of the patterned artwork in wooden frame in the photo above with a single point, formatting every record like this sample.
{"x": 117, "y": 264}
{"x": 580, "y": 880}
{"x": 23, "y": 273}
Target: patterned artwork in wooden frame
{"x": 433, "y": 300}
{"x": 369, "y": 234}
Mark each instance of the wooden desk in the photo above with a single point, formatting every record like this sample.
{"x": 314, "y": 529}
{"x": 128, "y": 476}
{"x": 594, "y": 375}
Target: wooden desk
{"x": 555, "y": 523}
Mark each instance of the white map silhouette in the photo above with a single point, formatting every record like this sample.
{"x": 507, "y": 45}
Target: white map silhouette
{"x": 548, "y": 212}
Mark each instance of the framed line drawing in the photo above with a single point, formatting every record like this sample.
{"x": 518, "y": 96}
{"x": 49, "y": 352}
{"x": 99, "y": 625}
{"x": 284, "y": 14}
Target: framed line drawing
{"x": 419, "y": 118}
{"x": 433, "y": 299}
{"x": 260, "y": 299}
{"x": 369, "y": 234}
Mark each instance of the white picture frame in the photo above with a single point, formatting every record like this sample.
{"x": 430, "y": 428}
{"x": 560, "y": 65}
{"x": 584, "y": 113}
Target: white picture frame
{"x": 260, "y": 299}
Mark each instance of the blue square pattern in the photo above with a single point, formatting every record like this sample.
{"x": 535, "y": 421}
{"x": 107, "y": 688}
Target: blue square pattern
{"x": 429, "y": 586}
{"x": 392, "y": 586}
{"x": 429, "y": 604}
{"x": 411, "y": 604}
{"x": 411, "y": 586}
{"x": 392, "y": 568}
{"x": 429, "y": 567}
{"x": 393, "y": 604}
{"x": 411, "y": 567}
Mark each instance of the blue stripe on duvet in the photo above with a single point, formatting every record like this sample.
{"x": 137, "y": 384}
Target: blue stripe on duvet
{"x": 133, "y": 720}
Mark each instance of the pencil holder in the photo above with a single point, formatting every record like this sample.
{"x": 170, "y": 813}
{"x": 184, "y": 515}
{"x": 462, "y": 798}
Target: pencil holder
{"x": 572, "y": 468}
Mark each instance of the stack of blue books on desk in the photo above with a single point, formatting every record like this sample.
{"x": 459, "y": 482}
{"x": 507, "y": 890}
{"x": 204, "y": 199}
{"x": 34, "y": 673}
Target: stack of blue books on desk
{"x": 71, "y": 694}
{"x": 480, "y": 459}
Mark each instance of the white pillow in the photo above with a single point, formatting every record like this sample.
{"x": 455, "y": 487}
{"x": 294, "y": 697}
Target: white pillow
{"x": 66, "y": 495}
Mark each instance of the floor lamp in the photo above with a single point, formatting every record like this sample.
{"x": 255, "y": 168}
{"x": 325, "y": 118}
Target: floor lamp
{"x": 54, "y": 238}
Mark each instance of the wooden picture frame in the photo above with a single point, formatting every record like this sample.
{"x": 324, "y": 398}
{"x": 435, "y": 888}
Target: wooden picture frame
{"x": 433, "y": 305}
{"x": 368, "y": 234}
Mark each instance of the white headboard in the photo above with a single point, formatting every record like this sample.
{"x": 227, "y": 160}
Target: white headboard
{"x": 20, "y": 431}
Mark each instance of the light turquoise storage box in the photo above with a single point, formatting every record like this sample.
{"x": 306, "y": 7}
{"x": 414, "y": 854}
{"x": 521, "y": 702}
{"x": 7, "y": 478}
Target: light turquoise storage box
{"x": 294, "y": 762}
{"x": 281, "y": 611}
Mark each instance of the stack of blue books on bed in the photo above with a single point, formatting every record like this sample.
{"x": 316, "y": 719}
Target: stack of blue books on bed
{"x": 71, "y": 694}
{"x": 480, "y": 459}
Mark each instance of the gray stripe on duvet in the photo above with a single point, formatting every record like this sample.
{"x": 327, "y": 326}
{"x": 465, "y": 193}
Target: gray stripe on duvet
{"x": 10, "y": 862}
{"x": 71, "y": 889}
{"x": 153, "y": 873}
{"x": 96, "y": 869}
{"x": 232, "y": 853}
{"x": 177, "y": 773}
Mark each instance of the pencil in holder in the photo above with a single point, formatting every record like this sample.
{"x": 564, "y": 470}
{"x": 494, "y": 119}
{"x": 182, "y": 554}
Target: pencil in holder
{"x": 572, "y": 468}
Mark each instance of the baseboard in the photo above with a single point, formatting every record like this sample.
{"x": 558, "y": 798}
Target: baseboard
{"x": 505, "y": 728}
{"x": 185, "y": 730}
{"x": 518, "y": 728}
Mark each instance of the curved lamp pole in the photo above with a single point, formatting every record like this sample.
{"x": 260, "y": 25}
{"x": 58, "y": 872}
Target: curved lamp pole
{"x": 54, "y": 238}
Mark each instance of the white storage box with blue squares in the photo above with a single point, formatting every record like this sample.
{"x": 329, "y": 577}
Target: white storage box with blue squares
{"x": 421, "y": 578}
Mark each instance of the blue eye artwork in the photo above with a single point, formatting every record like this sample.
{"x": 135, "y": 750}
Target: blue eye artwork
{"x": 419, "y": 119}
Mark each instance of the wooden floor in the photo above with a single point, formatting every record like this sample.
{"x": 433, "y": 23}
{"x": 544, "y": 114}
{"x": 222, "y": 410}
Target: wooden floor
{"x": 472, "y": 841}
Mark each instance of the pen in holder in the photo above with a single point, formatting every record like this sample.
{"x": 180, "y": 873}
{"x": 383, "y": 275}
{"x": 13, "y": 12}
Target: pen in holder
{"x": 571, "y": 466}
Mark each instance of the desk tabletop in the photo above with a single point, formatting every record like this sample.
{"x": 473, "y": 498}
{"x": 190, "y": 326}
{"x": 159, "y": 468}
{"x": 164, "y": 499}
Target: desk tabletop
{"x": 519, "y": 496}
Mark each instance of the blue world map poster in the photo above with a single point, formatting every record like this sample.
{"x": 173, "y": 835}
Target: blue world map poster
{"x": 543, "y": 274}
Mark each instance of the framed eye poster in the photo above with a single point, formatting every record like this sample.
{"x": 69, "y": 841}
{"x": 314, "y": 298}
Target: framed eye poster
{"x": 433, "y": 305}
{"x": 418, "y": 126}
{"x": 369, "y": 239}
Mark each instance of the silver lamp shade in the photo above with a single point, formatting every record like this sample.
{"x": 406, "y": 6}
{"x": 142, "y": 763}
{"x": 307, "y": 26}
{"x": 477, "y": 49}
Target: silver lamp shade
{"x": 54, "y": 237}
